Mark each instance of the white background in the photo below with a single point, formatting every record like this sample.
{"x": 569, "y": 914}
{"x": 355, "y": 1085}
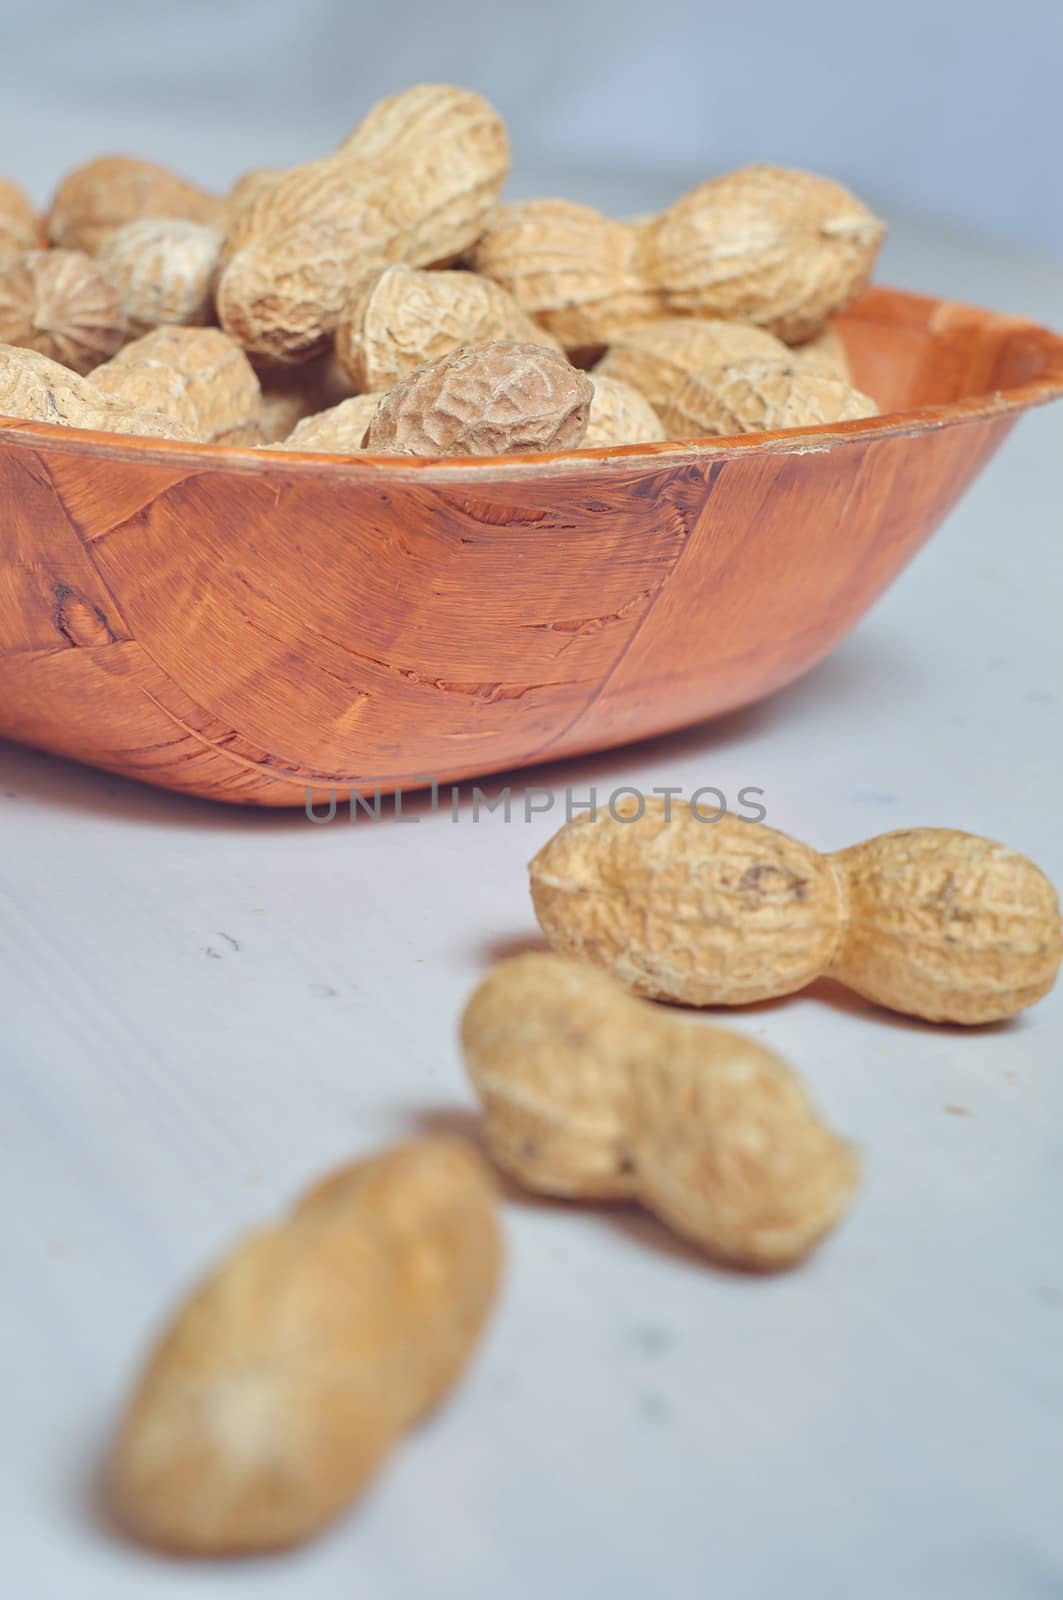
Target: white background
{"x": 925, "y": 105}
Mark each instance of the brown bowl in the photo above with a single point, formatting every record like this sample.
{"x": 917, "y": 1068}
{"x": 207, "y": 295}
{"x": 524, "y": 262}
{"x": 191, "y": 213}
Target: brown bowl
{"x": 252, "y": 626}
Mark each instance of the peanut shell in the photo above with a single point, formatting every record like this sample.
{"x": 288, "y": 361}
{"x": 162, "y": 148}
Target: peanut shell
{"x": 270, "y": 1401}
{"x": 826, "y": 354}
{"x": 338, "y": 431}
{"x": 60, "y": 304}
{"x": 619, "y": 414}
{"x": 947, "y": 926}
{"x": 781, "y": 248}
{"x": 677, "y": 908}
{"x": 403, "y": 318}
{"x": 573, "y": 270}
{"x": 19, "y": 225}
{"x": 760, "y": 397}
{"x": 163, "y": 269}
{"x": 591, "y": 1094}
{"x": 289, "y": 394}
{"x": 486, "y": 399}
{"x": 36, "y": 389}
{"x": 655, "y": 357}
{"x": 198, "y": 376}
{"x": 96, "y": 199}
{"x": 934, "y": 923}
{"x": 244, "y": 190}
{"x": 415, "y": 183}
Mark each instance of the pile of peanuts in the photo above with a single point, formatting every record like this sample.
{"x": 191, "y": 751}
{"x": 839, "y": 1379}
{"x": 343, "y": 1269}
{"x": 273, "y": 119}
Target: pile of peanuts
{"x": 383, "y": 298}
{"x": 287, "y": 1376}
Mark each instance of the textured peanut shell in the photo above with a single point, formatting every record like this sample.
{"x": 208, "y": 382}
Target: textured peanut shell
{"x": 781, "y": 248}
{"x": 96, "y": 199}
{"x": 947, "y": 926}
{"x": 591, "y": 1094}
{"x": 243, "y": 191}
{"x": 404, "y": 318}
{"x": 619, "y": 414}
{"x": 573, "y": 270}
{"x": 284, "y": 1380}
{"x": 338, "y": 431}
{"x": 655, "y": 357}
{"x": 198, "y": 376}
{"x": 417, "y": 186}
{"x": 487, "y": 399}
{"x": 19, "y": 226}
{"x": 826, "y": 354}
{"x": 289, "y": 394}
{"x": 163, "y": 269}
{"x": 60, "y": 304}
{"x": 37, "y": 389}
{"x": 707, "y": 913}
{"x": 760, "y": 397}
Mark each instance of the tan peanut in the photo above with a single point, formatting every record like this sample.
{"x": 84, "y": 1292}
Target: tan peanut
{"x": 769, "y": 245}
{"x": 655, "y": 357}
{"x": 760, "y": 397}
{"x": 244, "y": 190}
{"x": 34, "y": 388}
{"x": 59, "y": 303}
{"x": 290, "y": 394}
{"x": 282, "y": 1383}
{"x": 678, "y": 906}
{"x": 198, "y": 376}
{"x": 404, "y": 318}
{"x": 163, "y": 269}
{"x": 826, "y": 353}
{"x": 573, "y": 270}
{"x": 19, "y": 225}
{"x": 338, "y": 431}
{"x": 619, "y": 415}
{"x": 96, "y": 199}
{"x": 414, "y": 183}
{"x": 486, "y": 399}
{"x": 591, "y": 1094}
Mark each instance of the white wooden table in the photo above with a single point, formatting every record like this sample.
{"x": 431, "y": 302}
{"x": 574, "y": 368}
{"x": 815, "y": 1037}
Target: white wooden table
{"x": 200, "y": 1009}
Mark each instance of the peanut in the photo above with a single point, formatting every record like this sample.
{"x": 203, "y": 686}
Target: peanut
{"x": 198, "y": 376}
{"x": 760, "y": 397}
{"x": 96, "y": 199}
{"x": 573, "y": 270}
{"x": 36, "y": 389}
{"x": 655, "y": 357}
{"x": 403, "y": 318}
{"x": 244, "y": 190}
{"x": 927, "y": 921}
{"x": 487, "y": 399}
{"x": 591, "y": 1094}
{"x": 290, "y": 394}
{"x": 59, "y": 303}
{"x": 414, "y": 183}
{"x": 780, "y": 248}
{"x": 619, "y": 415}
{"x": 163, "y": 269}
{"x": 826, "y": 353}
{"x": 338, "y": 431}
{"x": 278, "y": 1388}
{"x": 19, "y": 227}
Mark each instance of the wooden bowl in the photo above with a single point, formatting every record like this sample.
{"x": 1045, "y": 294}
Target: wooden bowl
{"x": 252, "y": 626}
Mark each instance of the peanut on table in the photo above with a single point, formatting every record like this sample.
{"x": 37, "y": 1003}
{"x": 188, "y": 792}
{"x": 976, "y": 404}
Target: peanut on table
{"x": 927, "y": 921}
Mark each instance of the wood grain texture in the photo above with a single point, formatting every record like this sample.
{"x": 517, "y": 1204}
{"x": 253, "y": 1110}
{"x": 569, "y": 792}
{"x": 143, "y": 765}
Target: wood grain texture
{"x": 248, "y": 626}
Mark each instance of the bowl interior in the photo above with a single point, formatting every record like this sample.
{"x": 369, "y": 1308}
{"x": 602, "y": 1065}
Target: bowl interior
{"x": 908, "y": 351}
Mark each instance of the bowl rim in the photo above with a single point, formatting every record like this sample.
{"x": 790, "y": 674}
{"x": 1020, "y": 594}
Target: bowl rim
{"x": 921, "y": 310}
